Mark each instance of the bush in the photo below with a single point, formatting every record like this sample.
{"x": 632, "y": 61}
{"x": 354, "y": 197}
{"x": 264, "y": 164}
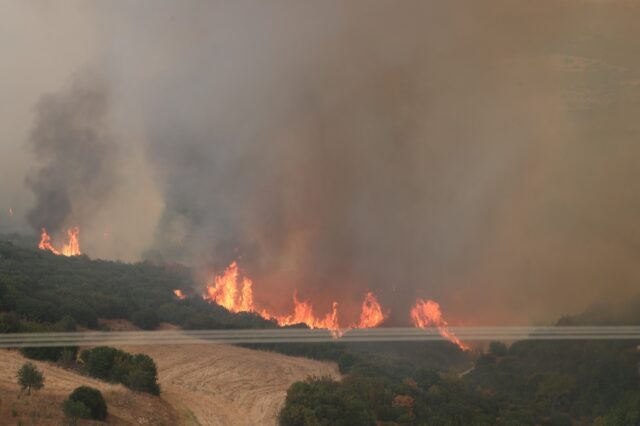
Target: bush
{"x": 29, "y": 377}
{"x": 92, "y": 400}
{"x": 48, "y": 353}
{"x": 74, "y": 410}
{"x": 137, "y": 372}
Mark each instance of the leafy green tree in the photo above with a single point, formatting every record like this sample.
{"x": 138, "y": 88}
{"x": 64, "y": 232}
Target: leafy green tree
{"x": 92, "y": 399}
{"x": 29, "y": 377}
{"x": 74, "y": 410}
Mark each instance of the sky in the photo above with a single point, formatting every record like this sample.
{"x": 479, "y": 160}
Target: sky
{"x": 480, "y": 155}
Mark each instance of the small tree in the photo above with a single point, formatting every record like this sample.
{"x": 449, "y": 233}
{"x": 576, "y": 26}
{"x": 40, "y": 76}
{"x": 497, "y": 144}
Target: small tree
{"x": 92, "y": 399}
{"x": 29, "y": 377}
{"x": 74, "y": 410}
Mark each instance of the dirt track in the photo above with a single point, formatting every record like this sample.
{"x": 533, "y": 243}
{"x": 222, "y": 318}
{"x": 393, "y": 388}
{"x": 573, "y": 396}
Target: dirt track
{"x": 44, "y": 407}
{"x": 228, "y": 385}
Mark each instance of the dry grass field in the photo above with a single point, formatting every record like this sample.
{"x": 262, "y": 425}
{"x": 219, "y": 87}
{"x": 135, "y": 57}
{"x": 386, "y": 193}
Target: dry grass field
{"x": 44, "y": 407}
{"x": 201, "y": 385}
{"x": 228, "y": 385}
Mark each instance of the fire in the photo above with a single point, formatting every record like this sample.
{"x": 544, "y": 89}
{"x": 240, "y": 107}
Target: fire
{"x": 179, "y": 294}
{"x": 303, "y": 314}
{"x": 71, "y": 248}
{"x": 427, "y": 314}
{"x": 235, "y": 293}
{"x": 226, "y": 292}
{"x": 371, "y": 314}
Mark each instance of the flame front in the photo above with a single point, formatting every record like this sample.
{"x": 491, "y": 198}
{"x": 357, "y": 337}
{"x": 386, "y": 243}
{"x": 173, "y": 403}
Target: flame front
{"x": 371, "y": 314}
{"x": 235, "y": 293}
{"x": 179, "y": 294}
{"x": 427, "y": 314}
{"x": 71, "y": 248}
{"x": 226, "y": 292}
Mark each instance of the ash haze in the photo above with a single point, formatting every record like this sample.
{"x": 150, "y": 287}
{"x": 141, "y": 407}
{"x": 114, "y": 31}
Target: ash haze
{"x": 482, "y": 155}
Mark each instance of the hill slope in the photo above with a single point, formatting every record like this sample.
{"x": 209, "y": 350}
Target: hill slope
{"x": 228, "y": 385}
{"x": 44, "y": 407}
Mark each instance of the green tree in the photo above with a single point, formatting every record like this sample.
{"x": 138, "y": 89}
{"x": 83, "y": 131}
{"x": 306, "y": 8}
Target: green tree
{"x": 74, "y": 410}
{"x": 92, "y": 399}
{"x": 29, "y": 377}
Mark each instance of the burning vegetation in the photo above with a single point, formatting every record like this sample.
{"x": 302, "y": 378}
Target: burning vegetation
{"x": 235, "y": 293}
{"x": 71, "y": 248}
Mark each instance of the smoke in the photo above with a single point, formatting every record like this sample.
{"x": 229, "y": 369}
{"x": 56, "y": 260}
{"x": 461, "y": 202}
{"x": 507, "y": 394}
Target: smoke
{"x": 75, "y": 152}
{"x": 479, "y": 154}
{"x": 336, "y": 151}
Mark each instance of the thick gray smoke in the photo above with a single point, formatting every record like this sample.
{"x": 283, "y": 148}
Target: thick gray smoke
{"x": 75, "y": 153}
{"x": 482, "y": 154}
{"x": 336, "y": 151}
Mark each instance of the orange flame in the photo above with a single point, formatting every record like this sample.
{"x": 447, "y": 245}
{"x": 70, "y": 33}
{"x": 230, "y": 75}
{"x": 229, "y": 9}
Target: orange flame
{"x": 179, "y": 294}
{"x": 225, "y": 291}
{"x": 72, "y": 248}
{"x": 427, "y": 314}
{"x": 371, "y": 314}
{"x": 236, "y": 295}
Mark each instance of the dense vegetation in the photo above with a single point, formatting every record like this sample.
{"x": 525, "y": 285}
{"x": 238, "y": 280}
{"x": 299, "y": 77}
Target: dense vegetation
{"x": 85, "y": 402}
{"x": 528, "y": 382}
{"x": 553, "y": 383}
{"x": 43, "y": 289}
{"x": 137, "y": 372}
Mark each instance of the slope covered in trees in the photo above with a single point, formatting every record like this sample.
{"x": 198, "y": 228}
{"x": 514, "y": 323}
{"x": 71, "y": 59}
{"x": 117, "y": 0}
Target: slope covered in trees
{"x": 38, "y": 287}
{"x": 554, "y": 383}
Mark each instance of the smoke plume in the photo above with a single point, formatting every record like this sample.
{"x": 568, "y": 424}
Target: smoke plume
{"x": 481, "y": 154}
{"x": 75, "y": 152}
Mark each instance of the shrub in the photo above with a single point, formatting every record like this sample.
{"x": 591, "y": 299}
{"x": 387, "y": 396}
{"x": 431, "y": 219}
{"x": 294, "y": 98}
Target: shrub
{"x": 137, "y": 372}
{"x": 29, "y": 377}
{"x": 48, "y": 353}
{"x": 92, "y": 400}
{"x": 74, "y": 410}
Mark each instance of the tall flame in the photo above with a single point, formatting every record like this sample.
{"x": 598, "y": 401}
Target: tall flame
{"x": 225, "y": 291}
{"x": 235, "y": 293}
{"x": 371, "y": 314}
{"x": 71, "y": 248}
{"x": 427, "y": 314}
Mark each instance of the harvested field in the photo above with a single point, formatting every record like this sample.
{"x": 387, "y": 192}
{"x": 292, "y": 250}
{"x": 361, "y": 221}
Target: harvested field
{"x": 228, "y": 385}
{"x": 44, "y": 407}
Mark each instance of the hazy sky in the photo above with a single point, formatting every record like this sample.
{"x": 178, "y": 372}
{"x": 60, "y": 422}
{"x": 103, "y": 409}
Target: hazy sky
{"x": 483, "y": 155}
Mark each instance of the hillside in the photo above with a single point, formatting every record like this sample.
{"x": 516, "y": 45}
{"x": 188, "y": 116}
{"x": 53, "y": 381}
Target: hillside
{"x": 228, "y": 385}
{"x": 42, "y": 287}
{"x": 44, "y": 407}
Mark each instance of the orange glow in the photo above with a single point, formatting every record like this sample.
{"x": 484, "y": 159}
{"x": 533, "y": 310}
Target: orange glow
{"x": 179, "y": 294}
{"x": 427, "y": 314}
{"x": 71, "y": 248}
{"x": 226, "y": 292}
{"x": 371, "y": 314}
{"x": 235, "y": 293}
{"x": 303, "y": 314}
